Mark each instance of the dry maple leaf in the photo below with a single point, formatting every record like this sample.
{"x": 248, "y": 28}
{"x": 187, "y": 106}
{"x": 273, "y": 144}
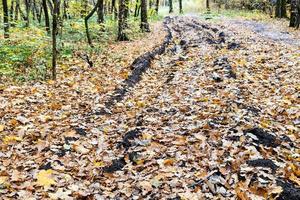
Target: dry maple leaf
{"x": 44, "y": 178}
{"x": 140, "y": 104}
{"x": 169, "y": 162}
{"x": 240, "y": 193}
{"x": 294, "y": 179}
{"x": 3, "y": 179}
{"x": 295, "y": 169}
{"x": 61, "y": 194}
{"x": 2, "y": 127}
{"x": 11, "y": 139}
{"x": 22, "y": 119}
{"x": 81, "y": 149}
{"x": 146, "y": 186}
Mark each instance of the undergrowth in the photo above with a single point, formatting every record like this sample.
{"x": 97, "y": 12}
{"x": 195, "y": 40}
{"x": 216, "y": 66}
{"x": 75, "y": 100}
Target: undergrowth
{"x": 26, "y": 55}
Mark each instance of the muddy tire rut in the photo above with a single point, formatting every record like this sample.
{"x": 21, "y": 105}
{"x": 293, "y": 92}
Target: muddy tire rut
{"x": 189, "y": 126}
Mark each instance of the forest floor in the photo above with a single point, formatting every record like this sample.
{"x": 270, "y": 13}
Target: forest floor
{"x": 215, "y": 116}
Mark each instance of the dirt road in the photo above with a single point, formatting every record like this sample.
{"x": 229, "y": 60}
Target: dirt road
{"x": 214, "y": 116}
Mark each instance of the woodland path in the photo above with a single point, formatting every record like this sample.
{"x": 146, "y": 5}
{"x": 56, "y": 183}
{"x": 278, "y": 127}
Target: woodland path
{"x": 268, "y": 31}
{"x": 215, "y": 116}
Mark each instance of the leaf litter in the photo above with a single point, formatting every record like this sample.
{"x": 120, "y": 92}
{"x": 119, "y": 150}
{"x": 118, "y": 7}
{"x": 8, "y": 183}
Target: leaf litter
{"x": 214, "y": 117}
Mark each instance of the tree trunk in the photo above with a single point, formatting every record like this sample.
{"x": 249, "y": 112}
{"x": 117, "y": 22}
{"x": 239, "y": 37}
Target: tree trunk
{"x": 295, "y": 13}
{"x": 137, "y": 8}
{"x": 126, "y": 12}
{"x": 278, "y": 9}
{"x": 283, "y": 8}
{"x": 17, "y": 10}
{"x": 170, "y": 6}
{"x": 33, "y": 11}
{"x": 180, "y": 6}
{"x": 114, "y": 9}
{"x": 5, "y": 19}
{"x": 54, "y": 33}
{"x": 122, "y": 22}
{"x": 39, "y": 15}
{"x": 100, "y": 12}
{"x": 86, "y": 19}
{"x": 156, "y": 6}
{"x": 50, "y": 6}
{"x": 107, "y": 7}
{"x": 207, "y": 6}
{"x": 144, "y": 17}
{"x": 21, "y": 13}
{"x": 27, "y": 5}
{"x": 65, "y": 7}
{"x": 298, "y": 14}
{"x": 47, "y": 21}
{"x": 11, "y": 12}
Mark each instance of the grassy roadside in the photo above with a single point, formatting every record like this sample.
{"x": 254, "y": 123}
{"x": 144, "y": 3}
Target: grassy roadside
{"x": 26, "y": 55}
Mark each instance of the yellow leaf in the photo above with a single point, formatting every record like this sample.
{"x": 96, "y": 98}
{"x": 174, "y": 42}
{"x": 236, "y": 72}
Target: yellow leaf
{"x": 124, "y": 75}
{"x": 241, "y": 62}
{"x": 106, "y": 129}
{"x": 203, "y": 99}
{"x": 51, "y": 82}
{"x": 265, "y": 123}
{"x": 169, "y": 162}
{"x": 201, "y": 174}
{"x": 296, "y": 170}
{"x": 146, "y": 136}
{"x": 1, "y": 128}
{"x": 55, "y": 106}
{"x": 140, "y": 104}
{"x": 44, "y": 178}
{"x": 240, "y": 193}
{"x": 11, "y": 139}
{"x": 99, "y": 163}
{"x": 13, "y": 122}
{"x": 294, "y": 179}
{"x": 139, "y": 162}
{"x": 3, "y": 179}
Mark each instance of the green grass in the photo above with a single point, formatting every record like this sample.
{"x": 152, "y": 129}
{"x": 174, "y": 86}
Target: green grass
{"x": 245, "y": 14}
{"x": 27, "y": 54}
{"x": 26, "y": 50}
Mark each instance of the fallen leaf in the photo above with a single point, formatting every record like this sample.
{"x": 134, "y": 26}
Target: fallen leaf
{"x": 295, "y": 169}
{"x": 2, "y": 127}
{"x": 22, "y": 119}
{"x": 3, "y": 179}
{"x": 44, "y": 178}
{"x": 294, "y": 179}
{"x": 169, "y": 162}
{"x": 81, "y": 149}
{"x": 61, "y": 194}
{"x": 11, "y": 139}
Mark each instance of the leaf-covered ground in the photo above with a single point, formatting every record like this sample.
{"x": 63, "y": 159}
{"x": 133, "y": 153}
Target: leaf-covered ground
{"x": 216, "y": 116}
